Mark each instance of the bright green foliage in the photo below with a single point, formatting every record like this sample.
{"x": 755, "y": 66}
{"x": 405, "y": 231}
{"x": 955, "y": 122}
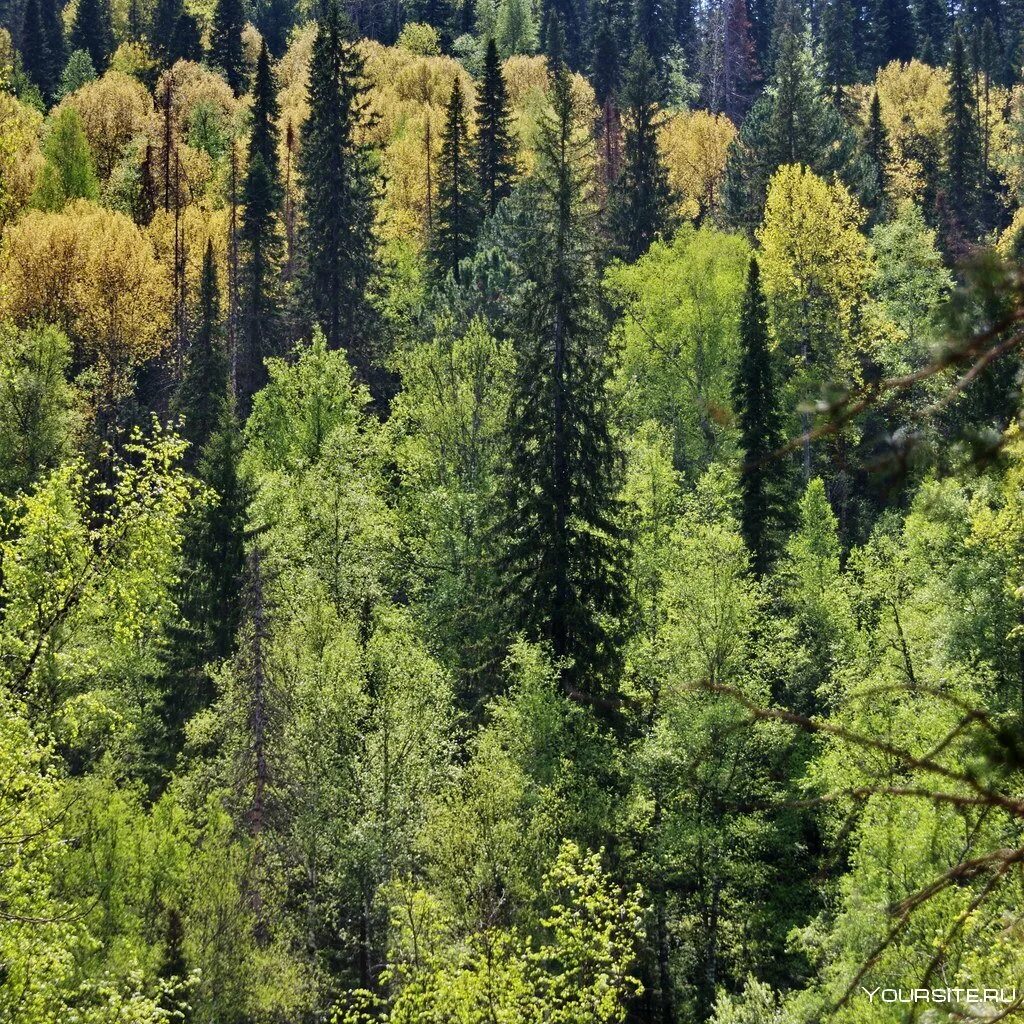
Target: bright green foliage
{"x": 677, "y": 343}
{"x": 448, "y": 422}
{"x": 37, "y": 415}
{"x": 77, "y": 72}
{"x": 69, "y": 172}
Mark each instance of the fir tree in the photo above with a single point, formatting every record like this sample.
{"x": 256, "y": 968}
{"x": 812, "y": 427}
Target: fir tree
{"x": 839, "y": 59}
{"x": 892, "y": 33}
{"x": 563, "y": 556}
{"x": 274, "y": 19}
{"x": 517, "y": 32}
{"x": 213, "y": 551}
{"x": 495, "y": 146}
{"x": 456, "y": 220}
{"x": 792, "y": 123}
{"x": 56, "y": 44}
{"x": 641, "y": 202}
{"x": 35, "y": 53}
{"x": 259, "y": 241}
{"x": 200, "y": 394}
{"x": 653, "y": 29}
{"x": 684, "y": 30}
{"x": 340, "y": 190}
{"x": 226, "y": 41}
{"x": 187, "y": 39}
{"x": 766, "y": 478}
{"x": 165, "y": 18}
{"x": 93, "y": 33}
{"x": 963, "y": 142}
{"x": 876, "y": 145}
{"x": 606, "y": 75}
{"x": 932, "y": 17}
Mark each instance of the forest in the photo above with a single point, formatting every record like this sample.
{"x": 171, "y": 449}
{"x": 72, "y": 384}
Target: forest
{"x": 511, "y": 511}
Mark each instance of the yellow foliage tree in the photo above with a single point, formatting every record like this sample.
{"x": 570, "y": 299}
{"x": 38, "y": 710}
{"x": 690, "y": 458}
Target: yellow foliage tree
{"x": 94, "y": 273}
{"x": 20, "y": 157}
{"x": 114, "y": 109}
{"x": 695, "y": 145}
{"x": 815, "y": 266}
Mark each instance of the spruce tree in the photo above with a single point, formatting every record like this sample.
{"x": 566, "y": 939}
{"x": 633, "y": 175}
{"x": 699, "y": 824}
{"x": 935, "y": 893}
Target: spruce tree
{"x": 455, "y": 220}
{"x": 35, "y": 53}
{"x": 226, "y": 41}
{"x": 892, "y": 33}
{"x": 839, "y": 60}
{"x": 963, "y": 146}
{"x": 766, "y": 478}
{"x": 259, "y": 240}
{"x": 56, "y": 45}
{"x": 200, "y": 394}
{"x": 563, "y": 556}
{"x": 653, "y": 30}
{"x": 340, "y": 190}
{"x": 641, "y": 202}
{"x": 93, "y": 33}
{"x": 187, "y": 39}
{"x": 876, "y": 145}
{"x": 495, "y": 147}
{"x": 932, "y": 17}
{"x": 165, "y": 18}
{"x": 792, "y": 123}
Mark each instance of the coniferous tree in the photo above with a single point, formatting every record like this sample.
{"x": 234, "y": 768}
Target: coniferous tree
{"x": 456, "y": 219}
{"x": 56, "y": 44}
{"x": 201, "y": 392}
{"x": 766, "y": 478}
{"x": 93, "y": 33}
{"x": 641, "y": 201}
{"x": 964, "y": 156}
{"x": 876, "y": 145}
{"x": 274, "y": 19}
{"x": 495, "y": 146}
{"x": 653, "y": 29}
{"x": 35, "y": 53}
{"x": 839, "y": 59}
{"x": 562, "y": 550}
{"x": 517, "y": 31}
{"x": 684, "y": 27}
{"x": 260, "y": 244}
{"x": 793, "y": 122}
{"x": 165, "y": 18}
{"x": 892, "y": 33}
{"x": 340, "y": 190}
{"x": 187, "y": 39}
{"x": 932, "y": 18}
{"x": 226, "y": 41}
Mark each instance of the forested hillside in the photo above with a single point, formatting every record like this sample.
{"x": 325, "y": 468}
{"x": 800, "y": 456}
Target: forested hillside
{"x": 511, "y": 513}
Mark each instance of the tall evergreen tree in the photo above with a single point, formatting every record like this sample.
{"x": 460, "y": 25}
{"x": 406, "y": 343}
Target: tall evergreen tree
{"x": 340, "y": 190}
{"x": 653, "y": 29}
{"x": 641, "y": 201}
{"x": 562, "y": 549}
{"x": 92, "y": 32}
{"x": 165, "y": 18}
{"x": 274, "y": 19}
{"x": 963, "y": 146}
{"x": 226, "y": 41}
{"x": 455, "y": 219}
{"x": 56, "y": 44}
{"x": 259, "y": 239}
{"x": 839, "y": 59}
{"x": 187, "y": 39}
{"x": 892, "y": 33}
{"x": 495, "y": 146}
{"x": 766, "y": 479}
{"x": 200, "y": 394}
{"x": 35, "y": 53}
{"x": 876, "y": 145}
{"x": 793, "y": 122}
{"x": 932, "y": 18}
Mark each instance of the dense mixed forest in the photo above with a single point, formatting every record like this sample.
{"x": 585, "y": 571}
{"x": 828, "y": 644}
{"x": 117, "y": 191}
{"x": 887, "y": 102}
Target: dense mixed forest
{"x": 511, "y": 514}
